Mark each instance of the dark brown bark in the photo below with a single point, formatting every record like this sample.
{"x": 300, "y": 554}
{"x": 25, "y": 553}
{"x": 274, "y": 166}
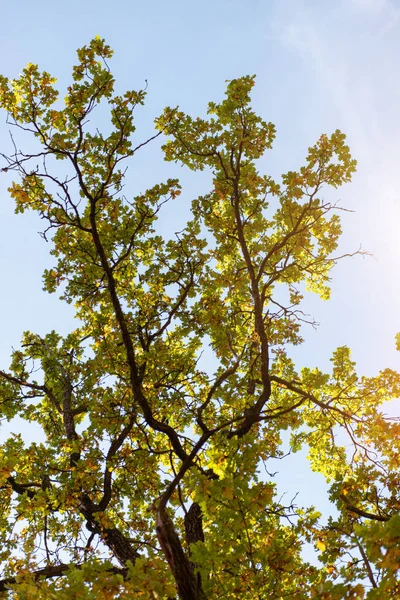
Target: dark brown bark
{"x": 194, "y": 524}
{"x": 194, "y": 533}
{"x": 119, "y": 545}
{"x": 189, "y": 586}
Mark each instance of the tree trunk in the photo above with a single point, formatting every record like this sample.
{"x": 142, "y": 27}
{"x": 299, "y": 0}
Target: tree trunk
{"x": 189, "y": 586}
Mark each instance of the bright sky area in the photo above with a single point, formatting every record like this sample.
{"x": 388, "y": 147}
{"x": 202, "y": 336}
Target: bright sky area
{"x": 320, "y": 65}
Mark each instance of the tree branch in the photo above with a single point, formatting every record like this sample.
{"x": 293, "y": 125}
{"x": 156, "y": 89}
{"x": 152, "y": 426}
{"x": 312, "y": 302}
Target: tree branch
{"x": 55, "y": 571}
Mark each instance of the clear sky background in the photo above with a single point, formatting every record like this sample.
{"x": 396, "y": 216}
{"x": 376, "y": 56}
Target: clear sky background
{"x": 320, "y": 65}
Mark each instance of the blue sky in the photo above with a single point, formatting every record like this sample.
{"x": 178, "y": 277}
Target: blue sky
{"x": 320, "y": 65}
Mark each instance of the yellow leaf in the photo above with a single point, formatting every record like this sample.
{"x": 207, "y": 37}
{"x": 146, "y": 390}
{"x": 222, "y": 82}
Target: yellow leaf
{"x": 321, "y": 545}
{"x": 330, "y": 569}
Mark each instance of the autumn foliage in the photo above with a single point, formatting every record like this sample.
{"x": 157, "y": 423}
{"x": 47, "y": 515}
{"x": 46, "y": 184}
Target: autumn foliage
{"x": 151, "y": 477}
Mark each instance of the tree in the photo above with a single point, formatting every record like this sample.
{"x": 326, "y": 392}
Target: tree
{"x": 148, "y": 479}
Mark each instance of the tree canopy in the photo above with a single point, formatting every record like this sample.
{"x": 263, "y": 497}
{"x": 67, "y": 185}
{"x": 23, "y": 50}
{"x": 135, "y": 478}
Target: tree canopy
{"x": 150, "y": 479}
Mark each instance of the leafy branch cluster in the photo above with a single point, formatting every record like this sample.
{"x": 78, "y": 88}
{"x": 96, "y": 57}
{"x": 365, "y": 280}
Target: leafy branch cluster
{"x": 147, "y": 480}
